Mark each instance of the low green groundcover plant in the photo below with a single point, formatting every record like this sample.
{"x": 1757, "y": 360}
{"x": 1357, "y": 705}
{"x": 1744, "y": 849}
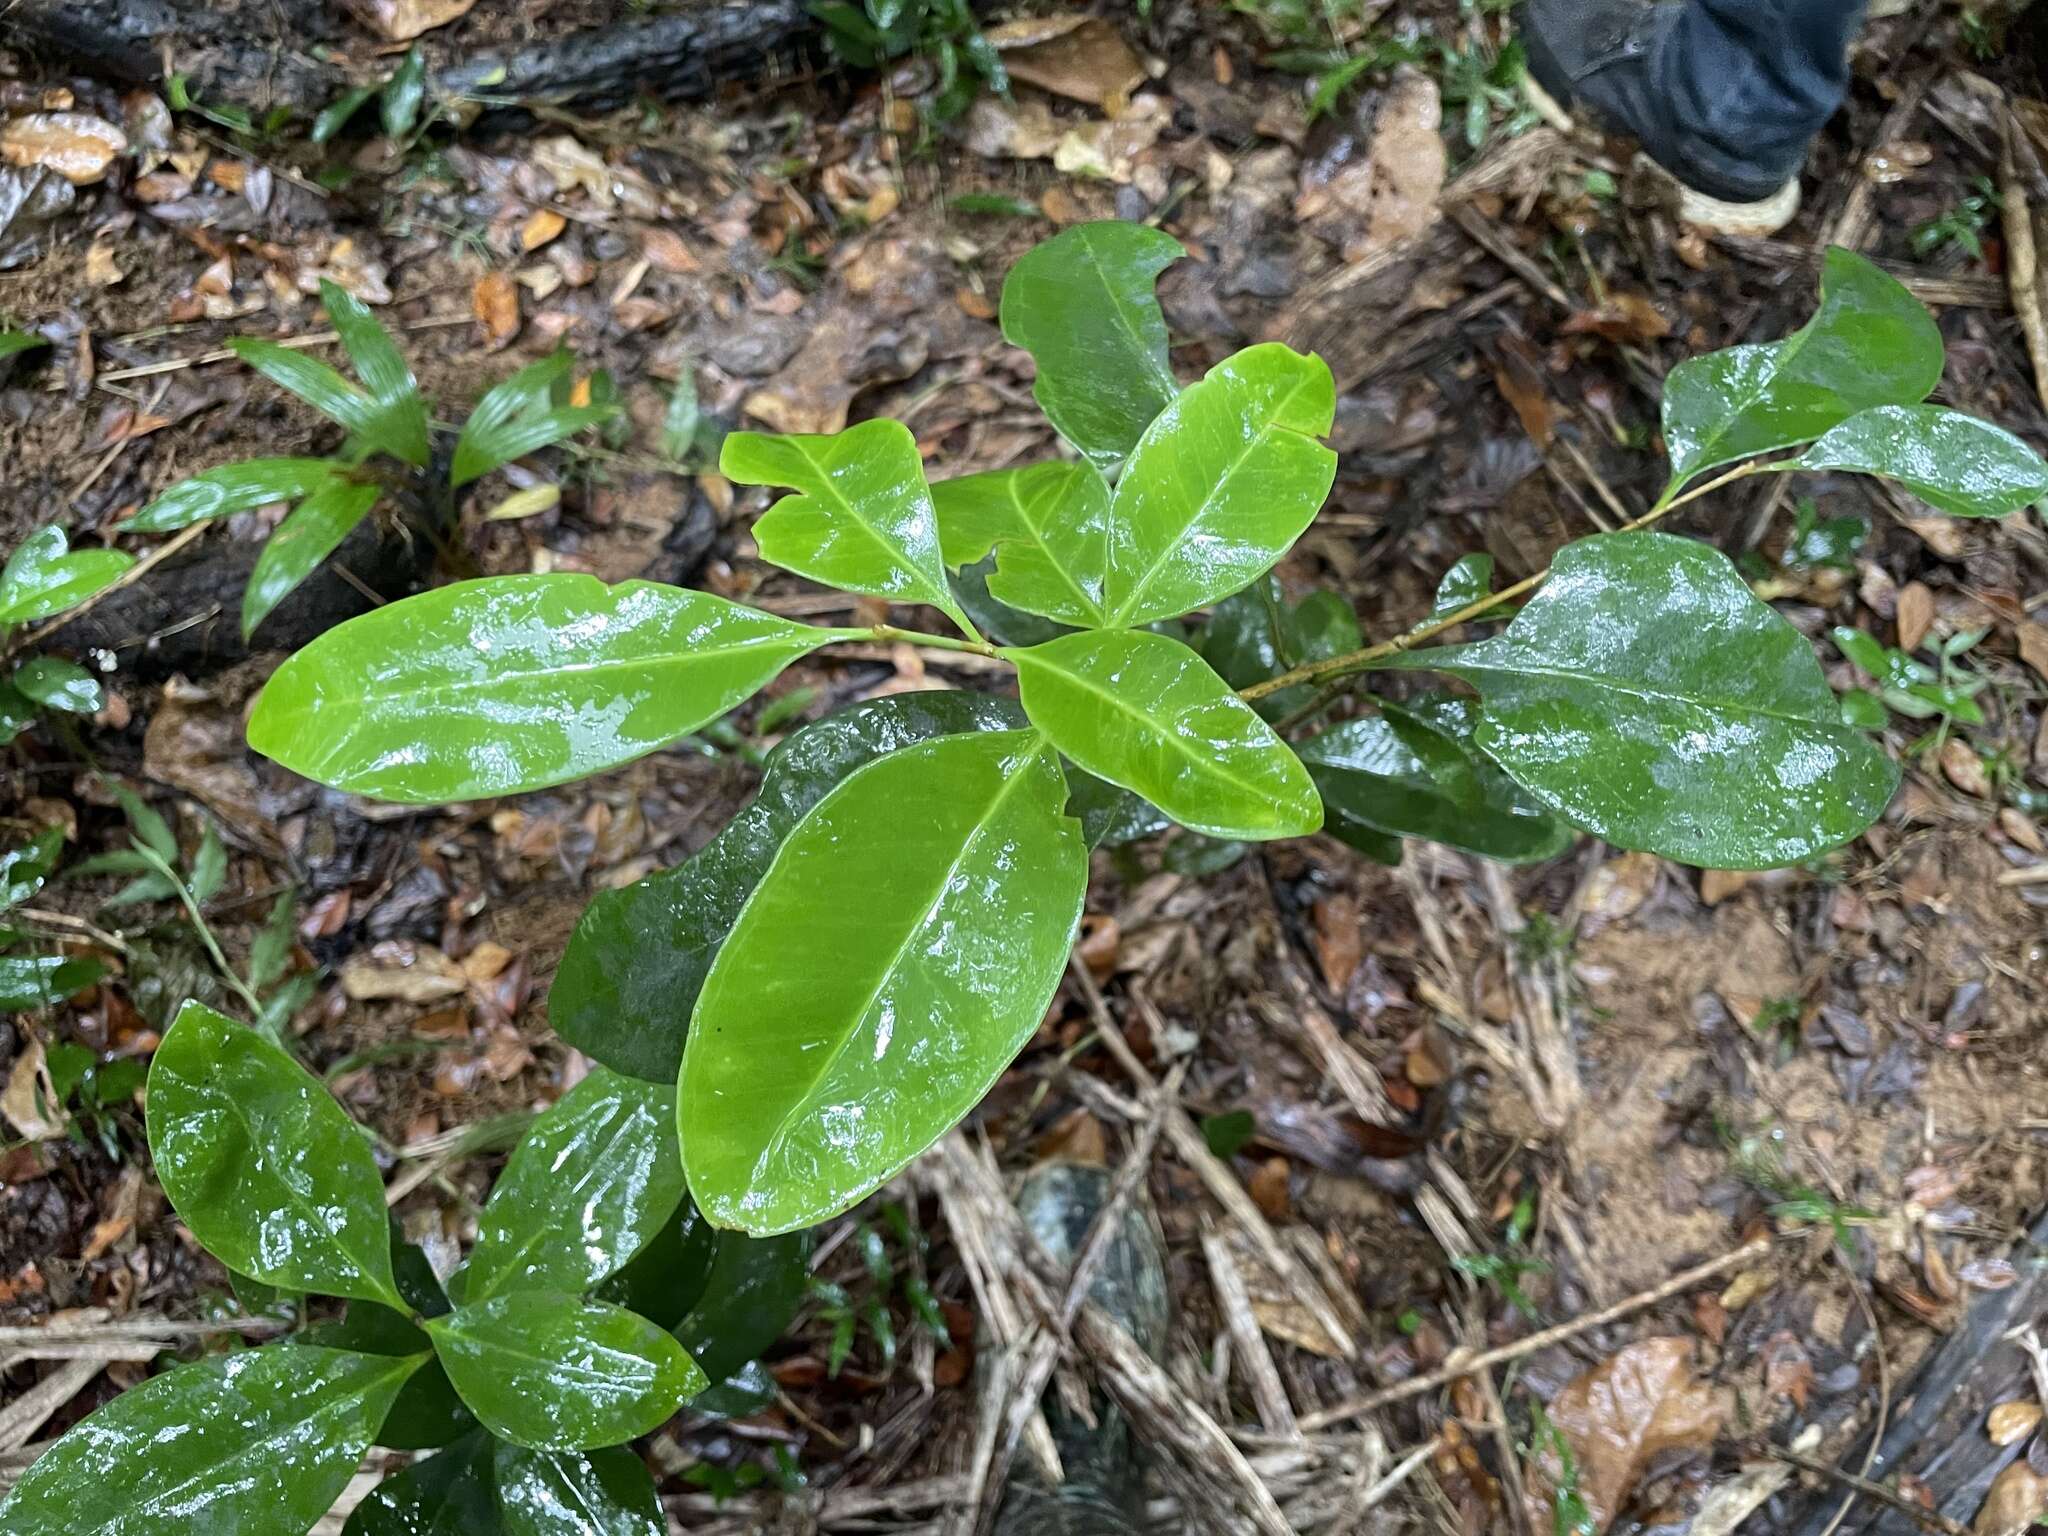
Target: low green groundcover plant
{"x": 814, "y": 998}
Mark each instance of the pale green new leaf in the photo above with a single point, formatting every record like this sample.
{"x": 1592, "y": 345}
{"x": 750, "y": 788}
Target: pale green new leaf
{"x": 593, "y": 1180}
{"x": 311, "y": 532}
{"x": 554, "y": 1372}
{"x": 1223, "y": 481}
{"x": 861, "y": 519}
{"x": 1049, "y": 527}
{"x": 1870, "y": 343}
{"x": 45, "y": 575}
{"x": 257, "y": 1440}
{"x": 514, "y": 682}
{"x": 401, "y": 412}
{"x": 231, "y": 488}
{"x": 1646, "y": 695}
{"x": 939, "y": 888}
{"x": 1082, "y": 305}
{"x": 1949, "y": 460}
{"x": 330, "y": 394}
{"x": 1146, "y": 713}
{"x": 518, "y": 417}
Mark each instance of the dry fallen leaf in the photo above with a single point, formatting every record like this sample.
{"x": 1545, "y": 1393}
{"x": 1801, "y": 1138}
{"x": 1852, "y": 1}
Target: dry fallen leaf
{"x": 2033, "y": 640}
{"x": 76, "y": 145}
{"x": 1407, "y": 158}
{"x": 402, "y": 972}
{"x": 29, "y": 1101}
{"x": 1717, "y": 885}
{"x": 1617, "y": 1416}
{"x": 402, "y": 20}
{"x": 496, "y": 302}
{"x": 100, "y": 268}
{"x": 1962, "y": 767}
{"x": 2018, "y": 1496}
{"x": 2010, "y": 1423}
{"x": 542, "y": 227}
{"x": 1916, "y": 615}
{"x": 1084, "y": 58}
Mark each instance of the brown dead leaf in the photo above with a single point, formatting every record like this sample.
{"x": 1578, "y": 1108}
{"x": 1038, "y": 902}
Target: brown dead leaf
{"x": 76, "y": 145}
{"x": 2010, "y": 1423}
{"x": 1618, "y": 1415}
{"x": 194, "y": 743}
{"x": 1408, "y": 160}
{"x": 1916, "y": 614}
{"x": 1268, "y": 1186}
{"x": 1100, "y": 940}
{"x": 119, "y": 1205}
{"x": 29, "y": 1101}
{"x": 402, "y": 20}
{"x": 101, "y": 271}
{"x": 402, "y": 971}
{"x": 1109, "y": 149}
{"x": 999, "y": 130}
{"x": 2033, "y": 640}
{"x": 2018, "y": 1496}
{"x": 1340, "y": 938}
{"x": 1788, "y": 1369}
{"x": 1083, "y": 58}
{"x": 540, "y": 228}
{"x": 1717, "y": 885}
{"x": 1623, "y": 318}
{"x": 495, "y": 299}
{"x": 1962, "y": 767}
{"x": 1522, "y": 387}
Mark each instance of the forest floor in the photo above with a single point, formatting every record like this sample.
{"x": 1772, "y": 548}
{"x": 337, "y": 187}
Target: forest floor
{"x": 1415, "y": 1111}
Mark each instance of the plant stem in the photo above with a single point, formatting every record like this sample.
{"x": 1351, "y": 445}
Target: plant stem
{"x": 890, "y": 634}
{"x": 241, "y": 988}
{"x": 1355, "y": 661}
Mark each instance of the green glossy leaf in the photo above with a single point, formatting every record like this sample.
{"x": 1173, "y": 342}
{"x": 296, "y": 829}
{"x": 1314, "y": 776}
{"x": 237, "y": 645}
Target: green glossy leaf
{"x": 13, "y": 343}
{"x": 861, "y": 519}
{"x": 1221, "y": 484}
{"x": 1645, "y": 694}
{"x": 43, "y": 981}
{"x": 259, "y": 1161}
{"x": 553, "y": 1372}
{"x": 637, "y": 960}
{"x": 1870, "y": 343}
{"x": 666, "y": 1278}
{"x": 380, "y": 426}
{"x": 1110, "y": 816}
{"x": 401, "y": 412}
{"x": 518, "y": 417}
{"x": 426, "y": 1413}
{"x": 746, "y": 1392}
{"x": 260, "y": 1440}
{"x": 805, "y": 1087}
{"x": 209, "y": 867}
{"x": 335, "y": 115}
{"x": 576, "y": 1493}
{"x": 231, "y": 488}
{"x": 1949, "y": 460}
{"x": 311, "y": 532}
{"x": 514, "y": 682}
{"x": 399, "y": 107}
{"x": 25, "y": 867}
{"x": 592, "y": 1181}
{"x": 752, "y": 1289}
{"x": 1464, "y": 584}
{"x": 999, "y": 623}
{"x": 1413, "y": 771}
{"x": 1082, "y": 305}
{"x": 1253, "y": 635}
{"x": 1048, "y": 525}
{"x": 17, "y": 714}
{"x": 151, "y": 830}
{"x": 45, "y": 575}
{"x": 1147, "y": 713}
{"x": 452, "y": 1494}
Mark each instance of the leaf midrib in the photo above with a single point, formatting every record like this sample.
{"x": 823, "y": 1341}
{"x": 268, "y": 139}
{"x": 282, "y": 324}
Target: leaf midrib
{"x": 1161, "y": 375}
{"x": 897, "y": 554}
{"x": 550, "y": 1364}
{"x": 1215, "y": 492}
{"x": 1088, "y": 604}
{"x": 517, "y": 1256}
{"x": 1781, "y": 355}
{"x": 1598, "y": 680}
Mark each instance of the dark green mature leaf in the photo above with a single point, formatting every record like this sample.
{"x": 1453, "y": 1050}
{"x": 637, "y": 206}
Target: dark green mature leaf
{"x": 1145, "y": 712}
{"x": 1110, "y": 816}
{"x": 24, "y": 868}
{"x": 12, "y": 343}
{"x": 1082, "y": 305}
{"x": 1949, "y": 460}
{"x": 309, "y": 534}
{"x": 43, "y": 981}
{"x": 426, "y": 1413}
{"x": 576, "y": 1493}
{"x": 1464, "y": 584}
{"x": 1413, "y": 771}
{"x": 518, "y": 417}
{"x": 399, "y": 106}
{"x": 335, "y": 115}
{"x": 805, "y": 1087}
{"x": 231, "y": 488}
{"x": 260, "y": 1440}
{"x": 999, "y": 623}
{"x": 45, "y": 575}
{"x": 514, "y": 682}
{"x": 1224, "y": 480}
{"x": 554, "y": 1372}
{"x": 751, "y": 1290}
{"x": 402, "y": 413}
{"x": 593, "y": 1180}
{"x": 1870, "y": 343}
{"x": 1254, "y": 635}
{"x": 861, "y": 517}
{"x": 452, "y": 1494}
{"x": 666, "y": 1278}
{"x": 17, "y": 713}
{"x": 631, "y": 974}
{"x": 259, "y": 1161}
{"x": 1646, "y": 695}
{"x": 1048, "y": 525}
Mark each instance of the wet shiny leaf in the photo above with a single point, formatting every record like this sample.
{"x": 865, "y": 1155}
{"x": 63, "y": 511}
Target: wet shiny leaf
{"x": 1147, "y": 713}
{"x": 45, "y": 576}
{"x": 1254, "y": 634}
{"x": 231, "y": 488}
{"x": 666, "y": 1278}
{"x": 576, "y": 1493}
{"x": 633, "y": 968}
{"x": 43, "y": 981}
{"x": 514, "y": 682}
{"x": 518, "y": 417}
{"x": 1646, "y": 695}
{"x": 1413, "y": 771}
{"x": 24, "y": 867}
{"x": 1082, "y": 305}
{"x": 1949, "y": 460}
{"x": 861, "y": 517}
{"x": 1224, "y": 480}
{"x": 426, "y": 1413}
{"x": 592, "y": 1181}
{"x": 311, "y": 532}
{"x": 553, "y": 1372}
{"x": 58, "y": 684}
{"x": 451, "y": 1494}
{"x": 260, "y": 1440}
{"x": 1048, "y": 525}
{"x": 1870, "y": 343}
{"x": 401, "y": 412}
{"x": 268, "y": 1171}
{"x": 751, "y": 1290}
{"x": 804, "y": 1087}
{"x": 1464, "y": 584}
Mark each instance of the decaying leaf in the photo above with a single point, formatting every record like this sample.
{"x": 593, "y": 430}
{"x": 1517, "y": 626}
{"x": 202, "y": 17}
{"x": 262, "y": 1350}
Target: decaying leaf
{"x": 1081, "y": 57}
{"x": 402, "y": 20}
{"x": 403, "y": 972}
{"x": 496, "y": 302}
{"x": 2033, "y": 642}
{"x": 539, "y": 229}
{"x": 2010, "y": 1423}
{"x": 29, "y": 1101}
{"x": 1916, "y": 614}
{"x": 76, "y": 145}
{"x": 1643, "y": 1401}
{"x": 2018, "y": 1496}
